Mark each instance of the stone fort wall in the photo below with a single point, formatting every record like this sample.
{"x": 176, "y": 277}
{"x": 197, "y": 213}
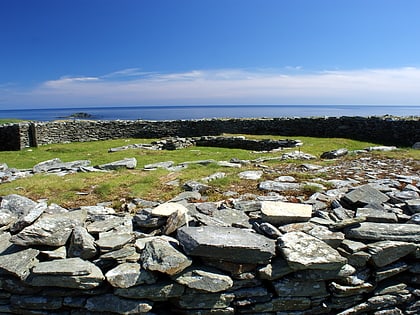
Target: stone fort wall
{"x": 383, "y": 130}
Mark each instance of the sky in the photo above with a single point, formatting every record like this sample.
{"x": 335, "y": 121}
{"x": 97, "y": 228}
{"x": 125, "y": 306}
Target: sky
{"x": 85, "y": 53}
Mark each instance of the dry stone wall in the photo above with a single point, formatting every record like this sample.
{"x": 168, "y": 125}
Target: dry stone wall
{"x": 392, "y": 131}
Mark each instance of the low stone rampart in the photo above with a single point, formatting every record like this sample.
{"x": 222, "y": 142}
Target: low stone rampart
{"x": 384, "y": 130}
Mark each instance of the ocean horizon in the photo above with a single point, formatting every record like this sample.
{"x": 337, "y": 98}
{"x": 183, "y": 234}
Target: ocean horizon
{"x": 186, "y": 112}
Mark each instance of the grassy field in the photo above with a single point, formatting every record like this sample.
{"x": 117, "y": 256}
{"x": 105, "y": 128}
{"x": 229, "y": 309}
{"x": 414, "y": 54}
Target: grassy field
{"x": 118, "y": 186}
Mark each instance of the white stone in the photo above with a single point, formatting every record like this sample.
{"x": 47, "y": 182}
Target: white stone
{"x": 166, "y": 209}
{"x": 279, "y": 212}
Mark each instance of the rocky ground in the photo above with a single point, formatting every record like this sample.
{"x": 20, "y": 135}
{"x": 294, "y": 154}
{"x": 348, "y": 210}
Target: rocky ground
{"x": 351, "y": 247}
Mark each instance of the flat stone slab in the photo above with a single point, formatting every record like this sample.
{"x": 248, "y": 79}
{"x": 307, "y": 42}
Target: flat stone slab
{"x": 50, "y": 230}
{"x": 117, "y": 305}
{"x": 204, "y": 279}
{"x": 19, "y": 263}
{"x": 66, "y": 273}
{"x": 271, "y": 185}
{"x": 279, "y": 212}
{"x": 128, "y": 275}
{"x": 226, "y": 243}
{"x": 166, "y": 209}
{"x": 372, "y": 231}
{"x": 303, "y": 251}
{"x": 364, "y": 195}
{"x": 155, "y": 292}
{"x": 386, "y": 252}
{"x": 160, "y": 255}
{"x": 129, "y": 163}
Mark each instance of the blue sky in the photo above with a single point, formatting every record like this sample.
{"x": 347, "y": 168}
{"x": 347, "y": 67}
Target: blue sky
{"x": 61, "y": 53}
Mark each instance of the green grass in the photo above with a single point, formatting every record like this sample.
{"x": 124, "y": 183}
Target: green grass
{"x": 118, "y": 186}
{"x": 9, "y": 121}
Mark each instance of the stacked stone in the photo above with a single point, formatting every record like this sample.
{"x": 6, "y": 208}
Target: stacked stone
{"x": 345, "y": 251}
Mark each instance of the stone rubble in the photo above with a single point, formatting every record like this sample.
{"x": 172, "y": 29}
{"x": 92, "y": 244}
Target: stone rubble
{"x": 351, "y": 248}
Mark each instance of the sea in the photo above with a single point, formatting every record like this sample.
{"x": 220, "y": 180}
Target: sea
{"x": 185, "y": 112}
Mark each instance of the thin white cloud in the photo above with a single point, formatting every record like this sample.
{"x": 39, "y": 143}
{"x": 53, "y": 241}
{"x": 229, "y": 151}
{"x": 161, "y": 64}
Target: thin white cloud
{"x": 399, "y": 86}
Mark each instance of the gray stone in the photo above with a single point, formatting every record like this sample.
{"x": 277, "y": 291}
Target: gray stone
{"x": 339, "y": 290}
{"x": 390, "y": 270}
{"x": 119, "y": 256}
{"x": 129, "y": 163}
{"x": 271, "y": 185}
{"x": 175, "y": 221}
{"x": 57, "y": 165}
{"x": 204, "y": 279}
{"x": 159, "y": 255}
{"x": 278, "y": 212}
{"x": 82, "y": 244}
{"x": 322, "y": 275}
{"x": 111, "y": 223}
{"x": 114, "y": 304}
{"x": 212, "y": 177}
{"x": 128, "y": 275}
{"x": 293, "y": 287}
{"x": 207, "y": 208}
{"x": 413, "y": 205}
{"x": 230, "y": 244}
{"x": 247, "y": 205}
{"x": 56, "y": 253}
{"x": 280, "y": 304}
{"x": 205, "y": 300}
{"x": 269, "y": 230}
{"x": 161, "y": 291}
{"x": 19, "y": 263}
{"x": 196, "y": 186}
{"x": 373, "y": 215}
{"x": 35, "y": 302}
{"x": 28, "y": 218}
{"x": 352, "y": 246}
{"x": 166, "y": 209}
{"x": 333, "y": 239}
{"x": 144, "y": 219}
{"x": 334, "y": 153}
{"x": 232, "y": 217}
{"x": 303, "y": 251}
{"x": 67, "y": 273}
{"x": 372, "y": 231}
{"x": 229, "y": 164}
{"x": 188, "y": 196}
{"x": 277, "y": 269}
{"x": 16, "y": 204}
{"x": 416, "y": 146}
{"x": 50, "y": 229}
{"x": 364, "y": 195}
{"x": 415, "y": 219}
{"x": 5, "y": 243}
{"x": 385, "y": 252}
{"x": 250, "y": 175}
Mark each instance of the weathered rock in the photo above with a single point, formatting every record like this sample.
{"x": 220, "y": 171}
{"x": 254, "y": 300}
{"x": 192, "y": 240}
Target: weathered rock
{"x": 247, "y": 205}
{"x": 82, "y": 244}
{"x": 19, "y": 263}
{"x": 334, "y": 153}
{"x": 114, "y": 223}
{"x": 278, "y": 212}
{"x": 175, "y": 221}
{"x": 342, "y": 290}
{"x": 390, "y": 270}
{"x": 160, "y": 255}
{"x": 269, "y": 230}
{"x": 56, "y": 164}
{"x": 280, "y": 304}
{"x": 33, "y": 302}
{"x": 110, "y": 241}
{"x": 275, "y": 270}
{"x": 250, "y": 175}
{"x": 205, "y": 300}
{"x": 373, "y": 215}
{"x": 232, "y": 217}
{"x": 413, "y": 205}
{"x": 16, "y": 204}
{"x": 155, "y": 292}
{"x": 229, "y": 164}
{"x": 114, "y": 304}
{"x": 364, "y": 195}
{"x": 204, "y": 279}
{"x": 129, "y": 163}
{"x": 292, "y": 287}
{"x": 128, "y": 275}
{"x": 385, "y": 252}
{"x": 196, "y": 186}
{"x": 372, "y": 231}
{"x": 214, "y": 176}
{"x": 166, "y": 209}
{"x": 50, "y": 229}
{"x": 271, "y": 185}
{"x": 303, "y": 251}
{"x": 230, "y": 244}
{"x": 321, "y": 275}
{"x": 67, "y": 273}
{"x": 155, "y": 166}
{"x": 27, "y": 219}
{"x": 56, "y": 253}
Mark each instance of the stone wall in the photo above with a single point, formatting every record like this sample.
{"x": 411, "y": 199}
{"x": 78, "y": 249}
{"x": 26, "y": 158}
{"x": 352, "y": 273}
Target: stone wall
{"x": 390, "y": 131}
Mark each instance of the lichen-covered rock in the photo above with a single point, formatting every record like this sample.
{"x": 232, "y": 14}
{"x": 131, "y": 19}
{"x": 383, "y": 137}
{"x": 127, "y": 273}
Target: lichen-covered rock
{"x": 19, "y": 263}
{"x": 204, "y": 279}
{"x": 155, "y": 292}
{"x": 50, "y": 229}
{"x": 160, "y": 255}
{"x": 372, "y": 231}
{"x": 385, "y": 252}
{"x": 73, "y": 273}
{"x": 278, "y": 212}
{"x": 226, "y": 243}
{"x": 303, "y": 251}
{"x": 128, "y": 275}
{"x": 82, "y": 244}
